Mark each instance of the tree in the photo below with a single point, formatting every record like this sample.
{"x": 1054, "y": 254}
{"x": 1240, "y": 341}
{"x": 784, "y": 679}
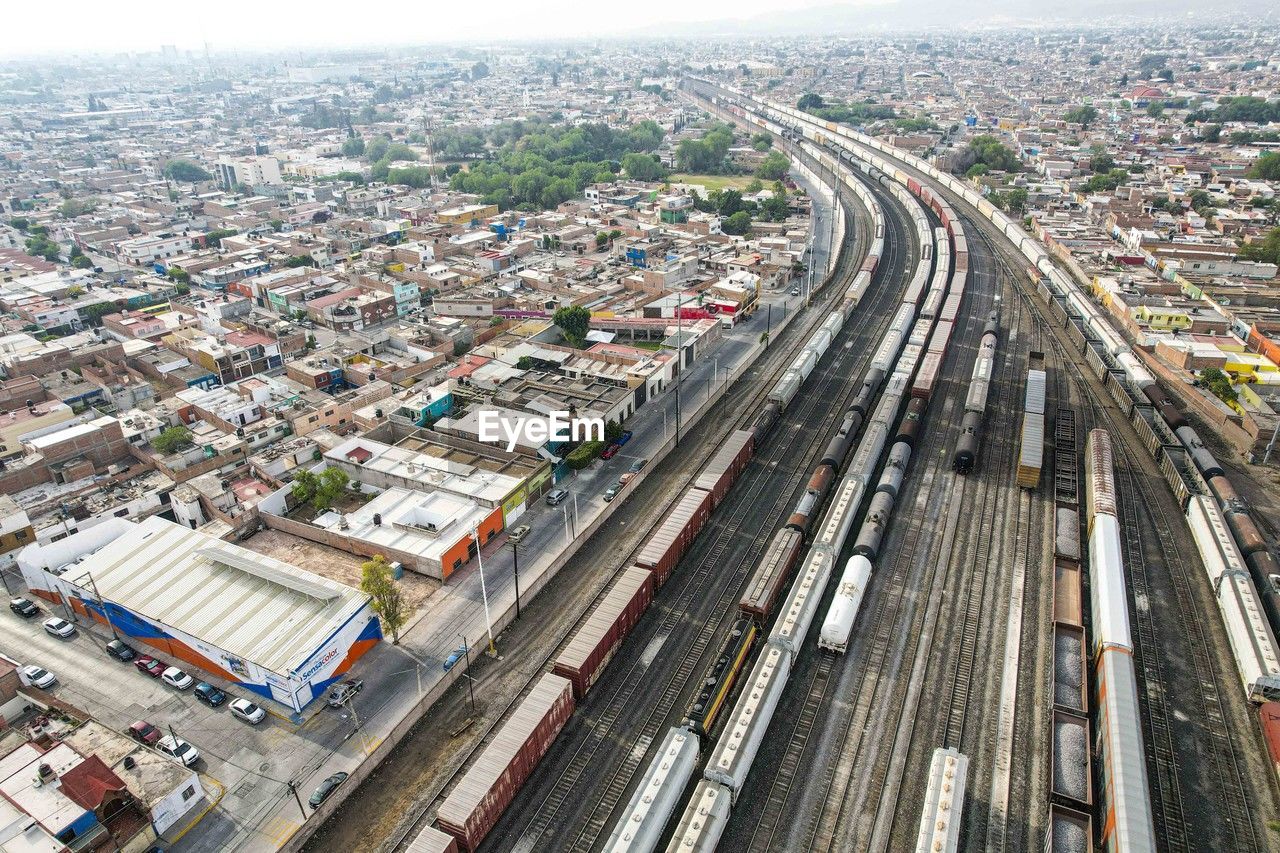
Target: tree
{"x": 612, "y": 430}
{"x": 810, "y": 101}
{"x": 171, "y": 439}
{"x": 21, "y": 223}
{"x": 1220, "y": 384}
{"x": 1266, "y": 167}
{"x": 1266, "y": 250}
{"x": 988, "y": 151}
{"x": 276, "y": 224}
{"x": 479, "y": 71}
{"x": 753, "y": 186}
{"x": 774, "y": 166}
{"x": 185, "y": 171}
{"x": 179, "y": 275}
{"x": 574, "y": 322}
{"x": 311, "y": 341}
{"x": 775, "y": 207}
{"x": 643, "y": 167}
{"x": 739, "y": 224}
{"x": 762, "y": 142}
{"x": 386, "y": 597}
{"x": 1095, "y": 59}
{"x": 1155, "y": 109}
{"x": 81, "y": 262}
{"x": 601, "y": 239}
{"x": 214, "y": 237}
{"x": 353, "y": 146}
{"x": 1101, "y": 162}
{"x": 1082, "y": 115}
{"x": 321, "y": 491}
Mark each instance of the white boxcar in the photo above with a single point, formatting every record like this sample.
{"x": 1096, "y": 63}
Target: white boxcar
{"x": 785, "y": 391}
{"x": 1213, "y": 539}
{"x": 843, "y": 612}
{"x": 1252, "y": 643}
{"x": 655, "y": 800}
{"x": 839, "y": 516}
{"x": 943, "y": 803}
{"x": 704, "y": 819}
{"x": 731, "y": 760}
{"x": 797, "y": 613}
{"x": 1126, "y": 807}
{"x": 1106, "y": 571}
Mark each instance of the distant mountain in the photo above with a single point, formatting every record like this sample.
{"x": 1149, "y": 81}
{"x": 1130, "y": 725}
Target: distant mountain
{"x": 919, "y": 15}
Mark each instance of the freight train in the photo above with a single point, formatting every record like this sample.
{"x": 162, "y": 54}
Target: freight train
{"x": 1127, "y": 822}
{"x": 975, "y": 402}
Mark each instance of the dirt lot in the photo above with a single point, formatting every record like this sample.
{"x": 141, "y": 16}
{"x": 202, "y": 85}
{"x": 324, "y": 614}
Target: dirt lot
{"x": 330, "y": 562}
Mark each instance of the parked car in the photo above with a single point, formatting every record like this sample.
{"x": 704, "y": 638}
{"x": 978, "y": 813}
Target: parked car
{"x": 59, "y": 627}
{"x": 340, "y": 693}
{"x": 144, "y": 732}
{"x": 153, "y": 667}
{"x": 326, "y": 788}
{"x": 795, "y": 291}
{"x": 638, "y": 466}
{"x": 24, "y": 607}
{"x": 611, "y": 451}
{"x": 39, "y": 676}
{"x": 247, "y": 711}
{"x": 517, "y": 534}
{"x": 209, "y": 695}
{"x": 624, "y": 438}
{"x": 178, "y": 749}
{"x": 175, "y": 677}
{"x": 555, "y": 497}
{"x": 612, "y": 492}
{"x": 121, "y": 651}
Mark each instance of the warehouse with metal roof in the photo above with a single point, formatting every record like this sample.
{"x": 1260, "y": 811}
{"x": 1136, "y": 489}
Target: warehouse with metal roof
{"x": 276, "y": 629}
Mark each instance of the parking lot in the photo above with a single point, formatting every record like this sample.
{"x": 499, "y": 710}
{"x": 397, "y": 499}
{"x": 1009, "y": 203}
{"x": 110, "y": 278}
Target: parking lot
{"x": 243, "y": 767}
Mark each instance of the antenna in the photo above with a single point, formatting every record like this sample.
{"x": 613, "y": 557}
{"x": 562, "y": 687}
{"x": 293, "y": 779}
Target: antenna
{"x": 431, "y": 149}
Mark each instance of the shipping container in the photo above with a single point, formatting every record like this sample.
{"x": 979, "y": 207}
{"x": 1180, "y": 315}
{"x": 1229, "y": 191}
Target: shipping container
{"x": 586, "y": 655}
{"x": 666, "y": 545}
{"x": 771, "y": 575}
{"x": 723, "y": 469}
{"x": 488, "y": 787}
{"x": 1031, "y": 453}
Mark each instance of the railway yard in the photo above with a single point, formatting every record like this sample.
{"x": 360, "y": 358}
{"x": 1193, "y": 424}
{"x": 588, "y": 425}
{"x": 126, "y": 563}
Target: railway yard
{"x": 921, "y": 583}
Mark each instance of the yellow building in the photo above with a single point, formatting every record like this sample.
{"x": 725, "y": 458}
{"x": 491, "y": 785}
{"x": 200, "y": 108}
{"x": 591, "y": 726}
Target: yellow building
{"x": 467, "y": 214}
{"x": 1159, "y": 317}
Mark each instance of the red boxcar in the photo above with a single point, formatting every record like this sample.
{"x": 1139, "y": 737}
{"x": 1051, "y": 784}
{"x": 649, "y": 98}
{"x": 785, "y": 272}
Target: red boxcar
{"x": 1270, "y": 714}
{"x": 951, "y": 307}
{"x": 726, "y": 465}
{"x": 772, "y": 573}
{"x": 478, "y": 800}
{"x": 927, "y": 375}
{"x": 941, "y": 335}
{"x": 667, "y": 544}
{"x": 584, "y": 658}
{"x": 869, "y": 264}
{"x": 914, "y": 186}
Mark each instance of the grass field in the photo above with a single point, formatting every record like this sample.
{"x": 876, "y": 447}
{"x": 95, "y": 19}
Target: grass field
{"x": 714, "y": 182}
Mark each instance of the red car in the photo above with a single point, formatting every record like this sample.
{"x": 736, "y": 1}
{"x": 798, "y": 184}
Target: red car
{"x": 611, "y": 451}
{"x": 151, "y": 666}
{"x": 144, "y": 732}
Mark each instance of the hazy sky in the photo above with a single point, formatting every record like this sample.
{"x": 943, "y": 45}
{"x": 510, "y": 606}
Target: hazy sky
{"x": 112, "y": 25}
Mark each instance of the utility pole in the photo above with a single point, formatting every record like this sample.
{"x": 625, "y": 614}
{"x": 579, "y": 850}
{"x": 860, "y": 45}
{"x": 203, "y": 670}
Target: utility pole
{"x": 471, "y": 687}
{"x": 484, "y": 593}
{"x": 293, "y": 789}
{"x": 105, "y": 612}
{"x": 679, "y": 356}
{"x": 515, "y": 554}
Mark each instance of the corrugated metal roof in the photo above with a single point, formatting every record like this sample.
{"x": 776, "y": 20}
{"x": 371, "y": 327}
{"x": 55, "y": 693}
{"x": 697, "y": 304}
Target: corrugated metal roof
{"x": 250, "y": 605}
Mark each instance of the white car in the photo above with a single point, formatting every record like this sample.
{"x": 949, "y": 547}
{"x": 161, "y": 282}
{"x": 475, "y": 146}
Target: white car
{"x": 178, "y": 749}
{"x": 247, "y": 711}
{"x": 39, "y": 676}
{"x": 175, "y": 677}
{"x": 59, "y": 627}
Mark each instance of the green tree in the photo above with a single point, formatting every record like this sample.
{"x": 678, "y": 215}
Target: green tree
{"x": 612, "y": 430}
{"x": 762, "y": 142}
{"x": 739, "y": 224}
{"x": 988, "y": 151}
{"x": 171, "y": 439}
{"x": 185, "y": 171}
{"x": 353, "y": 146}
{"x": 774, "y": 167}
{"x": 479, "y": 71}
{"x": 214, "y": 238}
{"x": 775, "y": 207}
{"x": 1155, "y": 109}
{"x": 386, "y": 597}
{"x": 296, "y": 261}
{"x": 1266, "y": 250}
{"x": 1101, "y": 162}
{"x": 643, "y": 167}
{"x": 574, "y": 322}
{"x": 810, "y": 101}
{"x": 1095, "y": 59}
{"x": 81, "y": 262}
{"x": 601, "y": 239}
{"x": 753, "y": 186}
{"x": 321, "y": 491}
{"x": 21, "y": 223}
{"x": 1082, "y": 115}
{"x": 179, "y": 275}
{"x": 1266, "y": 167}
{"x": 1220, "y": 384}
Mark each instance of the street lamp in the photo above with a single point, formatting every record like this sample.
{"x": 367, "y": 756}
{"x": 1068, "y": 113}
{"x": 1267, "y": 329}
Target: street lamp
{"x": 515, "y": 569}
{"x": 484, "y": 593}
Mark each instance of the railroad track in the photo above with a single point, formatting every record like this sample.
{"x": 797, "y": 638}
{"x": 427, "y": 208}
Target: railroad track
{"x": 845, "y": 268}
{"x": 603, "y": 737}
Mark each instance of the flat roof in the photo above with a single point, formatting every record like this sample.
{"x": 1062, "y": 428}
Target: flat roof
{"x": 250, "y": 605}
